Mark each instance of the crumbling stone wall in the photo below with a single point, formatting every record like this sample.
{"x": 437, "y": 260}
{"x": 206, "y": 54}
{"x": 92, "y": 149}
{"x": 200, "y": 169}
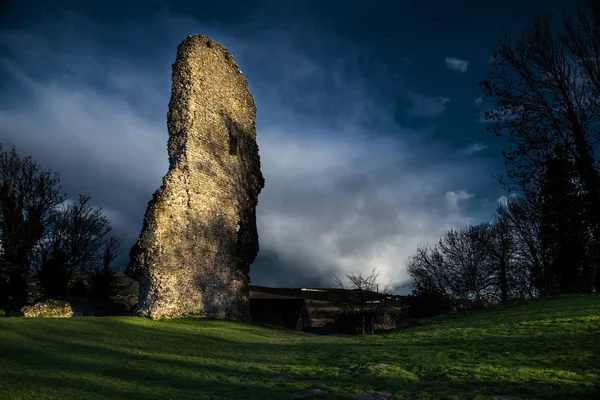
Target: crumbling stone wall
{"x": 199, "y": 234}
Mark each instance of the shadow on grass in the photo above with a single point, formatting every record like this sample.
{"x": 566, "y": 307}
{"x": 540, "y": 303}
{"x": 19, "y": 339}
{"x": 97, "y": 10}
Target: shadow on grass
{"x": 135, "y": 358}
{"x": 70, "y": 370}
{"x": 73, "y": 386}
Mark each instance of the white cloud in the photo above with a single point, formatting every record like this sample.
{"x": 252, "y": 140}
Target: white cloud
{"x": 503, "y": 199}
{"x": 478, "y": 101}
{"x": 452, "y": 198}
{"x": 472, "y": 148}
{"x": 457, "y": 64}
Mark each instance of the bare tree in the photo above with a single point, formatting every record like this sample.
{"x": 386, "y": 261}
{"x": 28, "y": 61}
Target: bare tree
{"x": 102, "y": 279}
{"x": 581, "y": 37}
{"x": 496, "y": 239}
{"x": 459, "y": 266}
{"x": 110, "y": 251}
{"x": 28, "y": 197}
{"x": 364, "y": 296}
{"x": 543, "y": 91}
{"x": 467, "y": 258}
{"x": 538, "y": 100}
{"x": 77, "y": 233}
{"x": 427, "y": 268}
{"x": 509, "y": 258}
{"x": 524, "y": 218}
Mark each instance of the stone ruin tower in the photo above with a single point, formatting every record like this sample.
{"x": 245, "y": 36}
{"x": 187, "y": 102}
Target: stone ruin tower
{"x": 199, "y": 234}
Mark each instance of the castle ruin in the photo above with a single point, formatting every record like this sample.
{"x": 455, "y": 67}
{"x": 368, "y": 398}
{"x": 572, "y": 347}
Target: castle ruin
{"x": 199, "y": 235}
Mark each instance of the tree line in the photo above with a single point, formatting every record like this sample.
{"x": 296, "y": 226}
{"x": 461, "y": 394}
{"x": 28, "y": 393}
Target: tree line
{"x": 63, "y": 245}
{"x": 542, "y": 97}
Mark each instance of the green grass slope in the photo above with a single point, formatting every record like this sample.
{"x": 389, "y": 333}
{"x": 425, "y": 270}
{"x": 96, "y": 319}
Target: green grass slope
{"x": 547, "y": 349}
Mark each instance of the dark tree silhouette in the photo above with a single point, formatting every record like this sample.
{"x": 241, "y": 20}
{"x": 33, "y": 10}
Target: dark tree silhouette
{"x": 102, "y": 279}
{"x": 28, "y": 197}
{"x": 78, "y": 231}
{"x": 563, "y": 230}
{"x": 542, "y": 91}
{"x": 523, "y": 216}
{"x": 497, "y": 241}
{"x": 426, "y": 300}
{"x": 53, "y": 275}
{"x": 539, "y": 99}
{"x": 364, "y": 298}
{"x": 459, "y": 266}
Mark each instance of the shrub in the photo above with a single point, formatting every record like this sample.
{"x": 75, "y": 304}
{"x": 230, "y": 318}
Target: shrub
{"x": 427, "y": 302}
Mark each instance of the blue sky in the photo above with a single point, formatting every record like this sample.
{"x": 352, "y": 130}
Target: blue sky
{"x": 368, "y": 122}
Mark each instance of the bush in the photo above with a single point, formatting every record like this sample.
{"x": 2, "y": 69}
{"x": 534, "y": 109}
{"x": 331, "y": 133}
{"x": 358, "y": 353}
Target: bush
{"x": 386, "y": 320}
{"x": 427, "y": 302}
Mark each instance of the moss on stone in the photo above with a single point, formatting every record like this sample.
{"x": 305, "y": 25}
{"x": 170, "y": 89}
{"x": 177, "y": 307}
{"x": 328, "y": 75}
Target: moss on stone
{"x": 48, "y": 309}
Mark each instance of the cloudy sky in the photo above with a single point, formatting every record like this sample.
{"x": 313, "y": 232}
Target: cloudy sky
{"x": 368, "y": 122}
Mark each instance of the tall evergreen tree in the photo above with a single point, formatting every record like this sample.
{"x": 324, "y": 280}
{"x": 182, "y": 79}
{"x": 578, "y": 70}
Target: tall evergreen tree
{"x": 563, "y": 228}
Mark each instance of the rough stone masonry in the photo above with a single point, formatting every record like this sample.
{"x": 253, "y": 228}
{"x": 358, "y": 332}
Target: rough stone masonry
{"x": 199, "y": 234}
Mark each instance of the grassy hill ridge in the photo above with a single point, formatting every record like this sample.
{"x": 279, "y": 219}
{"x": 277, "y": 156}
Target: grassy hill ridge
{"x": 544, "y": 349}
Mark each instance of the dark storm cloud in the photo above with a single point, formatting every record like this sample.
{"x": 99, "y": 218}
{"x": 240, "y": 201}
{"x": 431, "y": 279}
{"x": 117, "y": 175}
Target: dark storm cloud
{"x": 346, "y": 187}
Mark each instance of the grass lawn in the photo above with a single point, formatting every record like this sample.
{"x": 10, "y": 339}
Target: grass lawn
{"x": 546, "y": 349}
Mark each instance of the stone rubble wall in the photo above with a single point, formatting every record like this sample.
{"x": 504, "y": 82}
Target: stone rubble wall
{"x": 199, "y": 235}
